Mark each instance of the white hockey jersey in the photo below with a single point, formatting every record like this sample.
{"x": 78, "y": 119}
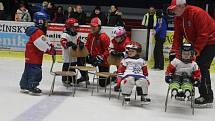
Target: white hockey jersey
{"x": 133, "y": 67}
{"x": 65, "y": 51}
{"x": 177, "y": 67}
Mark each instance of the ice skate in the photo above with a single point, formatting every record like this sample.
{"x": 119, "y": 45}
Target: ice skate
{"x": 23, "y": 90}
{"x": 174, "y": 93}
{"x": 145, "y": 100}
{"x": 35, "y": 91}
{"x": 187, "y": 95}
{"x": 126, "y": 99}
{"x": 201, "y": 102}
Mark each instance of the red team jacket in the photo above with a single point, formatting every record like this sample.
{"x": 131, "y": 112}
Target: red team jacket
{"x": 120, "y": 47}
{"x": 98, "y": 46}
{"x": 32, "y": 54}
{"x": 196, "y": 26}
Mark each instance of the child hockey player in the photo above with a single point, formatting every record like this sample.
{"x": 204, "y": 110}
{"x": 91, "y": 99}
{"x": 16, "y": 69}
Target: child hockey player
{"x": 69, "y": 40}
{"x": 119, "y": 42}
{"x": 118, "y": 46}
{"x": 35, "y": 48}
{"x": 133, "y": 71}
{"x": 182, "y": 73}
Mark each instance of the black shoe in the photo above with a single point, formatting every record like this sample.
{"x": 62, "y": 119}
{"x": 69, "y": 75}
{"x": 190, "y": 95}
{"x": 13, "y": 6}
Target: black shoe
{"x": 117, "y": 88}
{"x": 35, "y": 91}
{"x": 203, "y": 102}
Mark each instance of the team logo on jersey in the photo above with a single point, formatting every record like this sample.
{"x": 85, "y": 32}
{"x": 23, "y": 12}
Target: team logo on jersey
{"x": 136, "y": 69}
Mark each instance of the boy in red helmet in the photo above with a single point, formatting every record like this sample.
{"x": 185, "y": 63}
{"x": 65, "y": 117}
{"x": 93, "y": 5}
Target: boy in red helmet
{"x": 69, "y": 40}
{"x": 133, "y": 71}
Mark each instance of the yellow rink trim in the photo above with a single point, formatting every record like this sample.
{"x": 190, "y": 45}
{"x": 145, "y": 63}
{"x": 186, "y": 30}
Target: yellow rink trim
{"x": 13, "y": 54}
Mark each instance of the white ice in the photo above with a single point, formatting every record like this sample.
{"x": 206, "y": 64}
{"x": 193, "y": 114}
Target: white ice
{"x": 15, "y": 106}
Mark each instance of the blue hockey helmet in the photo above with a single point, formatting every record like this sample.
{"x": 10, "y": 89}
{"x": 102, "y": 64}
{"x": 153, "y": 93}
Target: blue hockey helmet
{"x": 40, "y": 18}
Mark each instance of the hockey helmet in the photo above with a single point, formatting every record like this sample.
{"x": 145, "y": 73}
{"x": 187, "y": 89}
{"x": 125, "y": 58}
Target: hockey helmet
{"x": 187, "y": 52}
{"x": 118, "y": 31}
{"x": 40, "y": 18}
{"x": 71, "y": 22}
{"x": 135, "y": 46}
{"x": 95, "y": 22}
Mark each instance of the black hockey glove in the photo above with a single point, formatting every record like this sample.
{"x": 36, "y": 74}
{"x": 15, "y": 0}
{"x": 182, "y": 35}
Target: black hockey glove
{"x": 168, "y": 79}
{"x": 71, "y": 44}
{"x": 90, "y": 59}
{"x": 172, "y": 55}
{"x": 98, "y": 60}
{"x": 81, "y": 45}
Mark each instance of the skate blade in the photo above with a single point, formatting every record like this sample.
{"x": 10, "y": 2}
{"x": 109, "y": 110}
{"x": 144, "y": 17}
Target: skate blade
{"x": 145, "y": 103}
{"x": 208, "y": 105}
{"x": 24, "y": 91}
{"x": 35, "y": 94}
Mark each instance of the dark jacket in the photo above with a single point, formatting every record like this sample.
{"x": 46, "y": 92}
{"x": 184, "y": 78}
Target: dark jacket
{"x": 51, "y": 12}
{"x": 59, "y": 18}
{"x": 115, "y": 19}
{"x": 81, "y": 17}
{"x": 101, "y": 16}
{"x": 68, "y": 14}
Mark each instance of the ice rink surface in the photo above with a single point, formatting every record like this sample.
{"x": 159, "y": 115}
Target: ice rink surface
{"x": 15, "y": 106}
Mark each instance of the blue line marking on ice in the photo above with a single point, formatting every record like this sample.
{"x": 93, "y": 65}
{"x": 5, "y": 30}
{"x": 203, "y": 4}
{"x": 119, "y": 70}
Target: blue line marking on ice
{"x": 42, "y": 109}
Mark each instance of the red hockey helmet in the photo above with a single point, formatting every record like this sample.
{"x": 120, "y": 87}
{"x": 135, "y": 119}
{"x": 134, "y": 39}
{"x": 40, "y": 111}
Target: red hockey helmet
{"x": 71, "y": 22}
{"x": 134, "y": 45}
{"x": 95, "y": 22}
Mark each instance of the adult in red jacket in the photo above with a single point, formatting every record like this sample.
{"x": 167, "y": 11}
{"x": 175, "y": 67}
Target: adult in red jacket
{"x": 35, "y": 48}
{"x": 198, "y": 28}
{"x": 97, "y": 44}
{"x": 119, "y": 42}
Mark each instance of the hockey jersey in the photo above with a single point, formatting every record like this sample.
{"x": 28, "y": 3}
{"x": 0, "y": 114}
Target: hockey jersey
{"x": 65, "y": 37}
{"x": 133, "y": 67}
{"x": 36, "y": 46}
{"x": 177, "y": 67}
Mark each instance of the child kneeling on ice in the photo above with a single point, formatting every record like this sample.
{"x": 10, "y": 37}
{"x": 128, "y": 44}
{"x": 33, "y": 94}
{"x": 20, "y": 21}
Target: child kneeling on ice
{"x": 133, "y": 71}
